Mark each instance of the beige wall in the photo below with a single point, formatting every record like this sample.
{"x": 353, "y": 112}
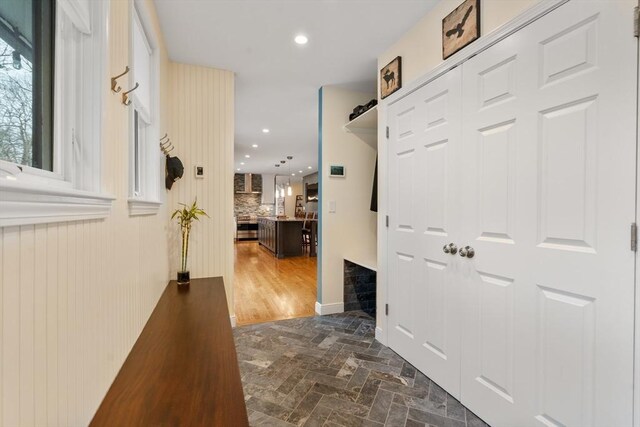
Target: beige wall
{"x": 74, "y": 296}
{"x": 351, "y": 230}
{"x": 202, "y": 129}
{"x": 421, "y": 47}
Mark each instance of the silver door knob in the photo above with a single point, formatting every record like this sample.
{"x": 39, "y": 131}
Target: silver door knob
{"x": 467, "y": 251}
{"x": 451, "y": 248}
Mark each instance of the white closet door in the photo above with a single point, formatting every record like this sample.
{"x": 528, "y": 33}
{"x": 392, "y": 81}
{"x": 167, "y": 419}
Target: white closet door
{"x": 548, "y": 182}
{"x": 424, "y": 312}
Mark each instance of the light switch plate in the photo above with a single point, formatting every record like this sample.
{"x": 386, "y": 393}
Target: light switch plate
{"x": 198, "y": 171}
{"x": 332, "y": 206}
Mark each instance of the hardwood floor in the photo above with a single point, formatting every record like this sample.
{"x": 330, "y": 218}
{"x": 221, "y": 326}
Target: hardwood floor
{"x": 267, "y": 288}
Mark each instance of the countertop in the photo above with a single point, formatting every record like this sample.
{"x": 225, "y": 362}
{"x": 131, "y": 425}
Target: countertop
{"x": 273, "y": 218}
{"x": 183, "y": 369}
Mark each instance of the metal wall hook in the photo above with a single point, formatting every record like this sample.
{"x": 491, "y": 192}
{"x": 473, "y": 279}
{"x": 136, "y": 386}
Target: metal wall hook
{"x": 166, "y": 143}
{"x": 114, "y": 83}
{"x": 125, "y": 95}
{"x": 166, "y": 149}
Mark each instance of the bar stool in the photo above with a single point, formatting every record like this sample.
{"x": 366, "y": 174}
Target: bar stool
{"x": 306, "y": 229}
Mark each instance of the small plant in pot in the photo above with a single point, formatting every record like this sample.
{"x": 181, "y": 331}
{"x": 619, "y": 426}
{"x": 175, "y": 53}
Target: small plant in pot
{"x": 186, "y": 216}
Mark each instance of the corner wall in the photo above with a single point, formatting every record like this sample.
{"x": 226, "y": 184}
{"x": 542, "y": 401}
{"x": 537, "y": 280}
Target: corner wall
{"x": 74, "y": 296}
{"x": 202, "y": 131}
{"x": 351, "y": 230}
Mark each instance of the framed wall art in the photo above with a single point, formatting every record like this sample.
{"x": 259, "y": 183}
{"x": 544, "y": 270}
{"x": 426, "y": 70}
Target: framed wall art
{"x": 460, "y": 27}
{"x": 391, "y": 77}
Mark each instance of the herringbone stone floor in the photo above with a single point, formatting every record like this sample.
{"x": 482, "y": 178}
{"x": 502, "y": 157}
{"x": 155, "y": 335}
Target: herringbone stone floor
{"x": 330, "y": 371}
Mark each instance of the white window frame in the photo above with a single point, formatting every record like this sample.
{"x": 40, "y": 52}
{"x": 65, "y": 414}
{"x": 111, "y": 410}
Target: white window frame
{"x": 73, "y": 190}
{"x": 145, "y": 196}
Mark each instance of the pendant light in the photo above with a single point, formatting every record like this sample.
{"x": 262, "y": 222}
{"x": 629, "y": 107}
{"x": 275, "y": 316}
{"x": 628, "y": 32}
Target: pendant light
{"x": 289, "y": 190}
{"x": 281, "y": 192}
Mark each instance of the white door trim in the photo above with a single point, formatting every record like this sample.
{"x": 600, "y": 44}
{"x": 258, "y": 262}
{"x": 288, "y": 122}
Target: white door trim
{"x": 636, "y": 344}
{"x": 525, "y": 18}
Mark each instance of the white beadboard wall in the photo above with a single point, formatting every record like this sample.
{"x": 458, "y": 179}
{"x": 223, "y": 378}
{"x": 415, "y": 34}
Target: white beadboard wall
{"x": 202, "y": 130}
{"x": 74, "y": 296}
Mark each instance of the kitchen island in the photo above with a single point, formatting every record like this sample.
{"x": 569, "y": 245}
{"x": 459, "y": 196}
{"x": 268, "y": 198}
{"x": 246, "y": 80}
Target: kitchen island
{"x": 283, "y": 237}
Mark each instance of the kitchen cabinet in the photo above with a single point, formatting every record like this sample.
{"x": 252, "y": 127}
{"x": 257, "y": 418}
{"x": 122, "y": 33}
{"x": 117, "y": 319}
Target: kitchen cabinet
{"x": 283, "y": 237}
{"x": 267, "y": 233}
{"x": 268, "y": 189}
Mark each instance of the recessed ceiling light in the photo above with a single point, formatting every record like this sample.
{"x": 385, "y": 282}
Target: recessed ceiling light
{"x": 238, "y": 169}
{"x": 247, "y": 156}
{"x": 293, "y": 174}
{"x": 299, "y": 171}
{"x": 242, "y": 163}
{"x": 255, "y": 145}
{"x": 265, "y": 130}
{"x": 308, "y": 167}
{"x": 301, "y": 39}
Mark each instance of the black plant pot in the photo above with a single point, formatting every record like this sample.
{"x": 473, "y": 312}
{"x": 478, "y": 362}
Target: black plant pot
{"x": 183, "y": 278}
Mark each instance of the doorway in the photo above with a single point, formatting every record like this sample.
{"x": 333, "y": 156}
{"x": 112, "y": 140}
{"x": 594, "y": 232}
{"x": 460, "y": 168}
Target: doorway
{"x": 275, "y": 266}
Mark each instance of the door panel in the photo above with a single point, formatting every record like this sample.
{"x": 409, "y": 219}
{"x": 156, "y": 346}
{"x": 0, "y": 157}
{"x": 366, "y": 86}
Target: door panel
{"x": 527, "y": 153}
{"x": 566, "y": 332}
{"x": 424, "y": 300}
{"x": 548, "y": 155}
{"x": 498, "y": 340}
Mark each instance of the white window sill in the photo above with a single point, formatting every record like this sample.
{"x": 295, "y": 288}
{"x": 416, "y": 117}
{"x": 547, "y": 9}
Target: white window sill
{"x": 139, "y": 207}
{"x": 28, "y": 203}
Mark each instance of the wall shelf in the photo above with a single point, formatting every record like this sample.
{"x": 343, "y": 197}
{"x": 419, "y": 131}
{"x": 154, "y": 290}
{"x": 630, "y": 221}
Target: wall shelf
{"x": 365, "y": 126}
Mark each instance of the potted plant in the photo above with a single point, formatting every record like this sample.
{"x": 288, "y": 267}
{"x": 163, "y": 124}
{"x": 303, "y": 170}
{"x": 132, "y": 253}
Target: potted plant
{"x": 186, "y": 216}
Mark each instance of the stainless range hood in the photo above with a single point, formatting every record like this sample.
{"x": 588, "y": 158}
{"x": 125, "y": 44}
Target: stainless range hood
{"x": 248, "y": 188}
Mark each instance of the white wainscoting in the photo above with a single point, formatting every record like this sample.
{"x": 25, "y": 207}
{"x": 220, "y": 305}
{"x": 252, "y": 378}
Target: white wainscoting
{"x": 202, "y": 131}
{"x": 75, "y": 296}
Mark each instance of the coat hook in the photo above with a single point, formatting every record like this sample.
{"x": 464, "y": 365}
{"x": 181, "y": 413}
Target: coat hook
{"x": 125, "y": 95}
{"x": 165, "y": 151}
{"x": 114, "y": 84}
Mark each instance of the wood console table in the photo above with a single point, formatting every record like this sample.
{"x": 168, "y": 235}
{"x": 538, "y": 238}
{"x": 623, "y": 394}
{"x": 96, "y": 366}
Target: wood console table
{"x": 183, "y": 369}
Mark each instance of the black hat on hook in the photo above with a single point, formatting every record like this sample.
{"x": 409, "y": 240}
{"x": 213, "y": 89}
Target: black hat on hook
{"x": 175, "y": 169}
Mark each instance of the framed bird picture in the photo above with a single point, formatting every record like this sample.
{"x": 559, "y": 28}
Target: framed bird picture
{"x": 460, "y": 27}
{"x": 391, "y": 77}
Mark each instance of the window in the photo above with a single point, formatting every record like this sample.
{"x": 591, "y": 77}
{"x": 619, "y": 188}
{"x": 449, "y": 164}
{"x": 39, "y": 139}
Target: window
{"x": 146, "y": 167}
{"x": 27, "y": 31}
{"x": 52, "y": 73}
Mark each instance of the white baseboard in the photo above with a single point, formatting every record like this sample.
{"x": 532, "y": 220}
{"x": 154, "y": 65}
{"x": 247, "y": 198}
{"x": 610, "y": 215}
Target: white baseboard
{"x": 234, "y": 321}
{"x": 380, "y": 336}
{"x": 334, "y": 308}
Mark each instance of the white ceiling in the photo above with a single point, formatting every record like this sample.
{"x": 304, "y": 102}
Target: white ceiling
{"x": 277, "y": 81}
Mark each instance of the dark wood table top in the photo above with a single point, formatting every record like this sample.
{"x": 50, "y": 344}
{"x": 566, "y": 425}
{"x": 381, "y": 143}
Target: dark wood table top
{"x": 183, "y": 369}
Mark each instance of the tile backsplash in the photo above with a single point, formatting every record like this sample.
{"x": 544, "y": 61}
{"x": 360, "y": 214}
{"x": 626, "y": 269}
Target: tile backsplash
{"x": 250, "y": 204}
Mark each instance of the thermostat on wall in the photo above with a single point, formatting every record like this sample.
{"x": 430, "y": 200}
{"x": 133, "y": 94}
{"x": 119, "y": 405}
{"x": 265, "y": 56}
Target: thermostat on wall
{"x": 199, "y": 171}
{"x": 337, "y": 171}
